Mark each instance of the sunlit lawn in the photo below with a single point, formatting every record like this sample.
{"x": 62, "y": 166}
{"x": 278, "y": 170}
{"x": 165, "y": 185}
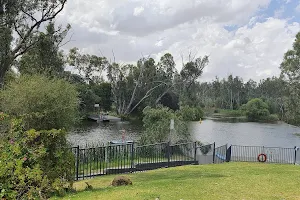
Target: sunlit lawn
{"x": 220, "y": 181}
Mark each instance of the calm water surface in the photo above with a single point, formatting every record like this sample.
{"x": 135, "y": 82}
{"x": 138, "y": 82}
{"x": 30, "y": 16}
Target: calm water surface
{"x": 247, "y": 133}
{"x": 274, "y": 135}
{"x": 99, "y": 133}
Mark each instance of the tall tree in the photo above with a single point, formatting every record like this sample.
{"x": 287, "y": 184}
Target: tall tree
{"x": 189, "y": 75}
{"x": 90, "y": 67}
{"x": 45, "y": 57}
{"x": 290, "y": 68}
{"x": 23, "y": 18}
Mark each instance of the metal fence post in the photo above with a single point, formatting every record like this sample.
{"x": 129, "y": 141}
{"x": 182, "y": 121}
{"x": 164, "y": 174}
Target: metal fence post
{"x": 295, "y": 156}
{"x": 77, "y": 163}
{"x": 214, "y": 152}
{"x": 195, "y": 152}
{"x": 228, "y": 154}
{"x": 168, "y": 151}
{"x": 132, "y": 157}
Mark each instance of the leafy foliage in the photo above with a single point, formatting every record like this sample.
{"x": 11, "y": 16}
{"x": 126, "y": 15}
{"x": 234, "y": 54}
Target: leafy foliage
{"x": 23, "y": 18}
{"x": 34, "y": 164}
{"x": 89, "y": 66}
{"x": 256, "y": 110}
{"x": 103, "y": 91}
{"x": 157, "y": 126}
{"x": 4, "y": 124}
{"x": 44, "y": 103}
{"x": 290, "y": 71}
{"x": 45, "y": 57}
{"x": 190, "y": 113}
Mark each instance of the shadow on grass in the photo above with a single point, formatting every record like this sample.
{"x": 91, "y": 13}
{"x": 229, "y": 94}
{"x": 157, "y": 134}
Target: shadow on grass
{"x": 166, "y": 176}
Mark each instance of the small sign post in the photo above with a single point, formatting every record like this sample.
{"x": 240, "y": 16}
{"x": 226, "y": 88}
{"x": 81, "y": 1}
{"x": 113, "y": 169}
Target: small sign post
{"x": 172, "y": 128}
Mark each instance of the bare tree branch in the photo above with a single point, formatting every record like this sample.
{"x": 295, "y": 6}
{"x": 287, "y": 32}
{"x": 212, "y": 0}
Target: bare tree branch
{"x": 149, "y": 92}
{"x": 44, "y": 18}
{"x": 137, "y": 84}
{"x": 69, "y": 40}
{"x": 113, "y": 53}
{"x": 32, "y": 18}
{"x": 17, "y": 31}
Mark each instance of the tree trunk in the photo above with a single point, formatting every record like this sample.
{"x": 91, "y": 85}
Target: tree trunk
{"x": 231, "y": 100}
{"x": 4, "y": 66}
{"x": 1, "y": 79}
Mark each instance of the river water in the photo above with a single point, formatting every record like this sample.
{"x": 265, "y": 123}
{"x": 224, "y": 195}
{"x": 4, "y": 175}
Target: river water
{"x": 209, "y": 131}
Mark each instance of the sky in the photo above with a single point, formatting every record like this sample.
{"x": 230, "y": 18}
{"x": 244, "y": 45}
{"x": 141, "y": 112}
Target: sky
{"x": 245, "y": 38}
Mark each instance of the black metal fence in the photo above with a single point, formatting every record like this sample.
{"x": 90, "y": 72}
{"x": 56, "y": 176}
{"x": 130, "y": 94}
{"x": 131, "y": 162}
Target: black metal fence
{"x": 125, "y": 158}
{"x": 128, "y": 158}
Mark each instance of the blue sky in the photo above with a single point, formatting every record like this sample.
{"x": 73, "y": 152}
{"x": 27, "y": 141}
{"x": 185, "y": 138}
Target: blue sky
{"x": 281, "y": 9}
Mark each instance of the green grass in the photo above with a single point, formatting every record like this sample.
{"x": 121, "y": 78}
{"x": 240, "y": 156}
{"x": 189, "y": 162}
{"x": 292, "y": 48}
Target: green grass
{"x": 222, "y": 181}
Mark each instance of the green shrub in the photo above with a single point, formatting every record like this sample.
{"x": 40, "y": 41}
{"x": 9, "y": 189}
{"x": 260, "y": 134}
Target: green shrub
{"x": 4, "y": 124}
{"x": 157, "y": 126}
{"x": 199, "y": 113}
{"x": 256, "y": 110}
{"x": 270, "y": 118}
{"x": 232, "y": 113}
{"x": 191, "y": 113}
{"x": 42, "y": 102}
{"x": 34, "y": 164}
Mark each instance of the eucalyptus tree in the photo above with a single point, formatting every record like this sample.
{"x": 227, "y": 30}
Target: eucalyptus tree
{"x": 20, "y": 21}
{"x": 45, "y": 57}
{"x": 290, "y": 71}
{"x": 189, "y": 76}
{"x": 90, "y": 67}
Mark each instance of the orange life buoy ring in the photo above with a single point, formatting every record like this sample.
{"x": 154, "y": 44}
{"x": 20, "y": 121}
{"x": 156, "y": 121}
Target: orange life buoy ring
{"x": 263, "y": 156}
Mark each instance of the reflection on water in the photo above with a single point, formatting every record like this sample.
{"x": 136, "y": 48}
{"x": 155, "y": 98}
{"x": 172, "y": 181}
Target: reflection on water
{"x": 99, "y": 133}
{"x": 242, "y": 133}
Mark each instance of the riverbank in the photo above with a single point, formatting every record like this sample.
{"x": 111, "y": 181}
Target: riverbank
{"x": 218, "y": 181}
{"x": 236, "y": 116}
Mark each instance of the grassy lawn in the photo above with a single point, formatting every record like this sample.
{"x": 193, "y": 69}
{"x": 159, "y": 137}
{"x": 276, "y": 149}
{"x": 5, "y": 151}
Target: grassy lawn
{"x": 220, "y": 181}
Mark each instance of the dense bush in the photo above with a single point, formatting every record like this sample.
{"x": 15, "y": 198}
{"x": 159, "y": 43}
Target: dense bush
{"x": 42, "y": 102}
{"x": 190, "y": 113}
{"x": 270, "y": 118}
{"x": 34, "y": 164}
{"x": 257, "y": 110}
{"x": 157, "y": 126}
{"x": 233, "y": 113}
{"x": 4, "y": 124}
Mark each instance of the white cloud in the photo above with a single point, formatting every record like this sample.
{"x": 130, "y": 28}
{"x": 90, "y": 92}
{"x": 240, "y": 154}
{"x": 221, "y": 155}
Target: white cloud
{"x": 138, "y": 10}
{"x": 159, "y": 43}
{"x": 140, "y": 27}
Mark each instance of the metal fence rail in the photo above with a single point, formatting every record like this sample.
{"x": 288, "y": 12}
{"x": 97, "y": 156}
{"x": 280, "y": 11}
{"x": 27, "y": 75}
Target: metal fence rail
{"x": 116, "y": 159}
{"x": 127, "y": 158}
{"x": 273, "y": 154}
{"x": 220, "y": 154}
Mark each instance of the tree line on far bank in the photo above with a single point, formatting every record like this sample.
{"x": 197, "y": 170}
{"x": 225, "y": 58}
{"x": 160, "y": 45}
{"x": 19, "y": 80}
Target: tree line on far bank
{"x": 127, "y": 89}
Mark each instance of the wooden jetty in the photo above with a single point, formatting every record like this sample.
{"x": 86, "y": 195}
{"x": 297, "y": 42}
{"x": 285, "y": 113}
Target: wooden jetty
{"x": 103, "y": 118}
